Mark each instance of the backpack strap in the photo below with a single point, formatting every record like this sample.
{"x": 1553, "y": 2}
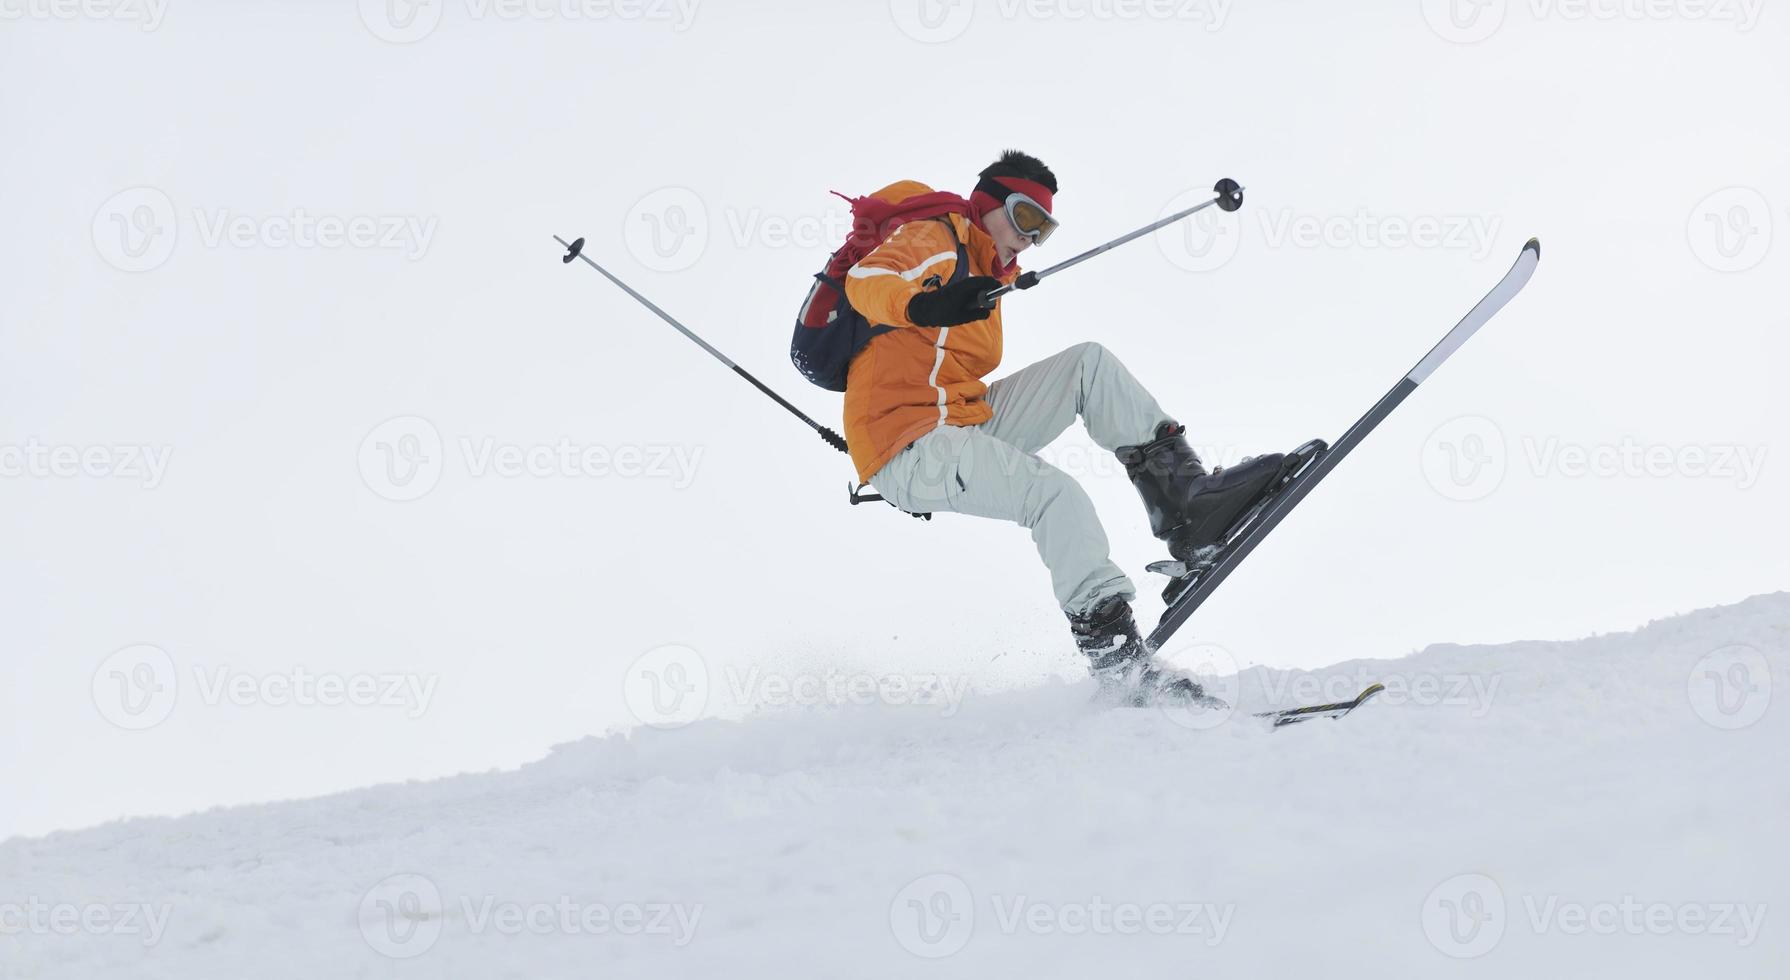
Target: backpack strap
{"x": 962, "y": 269}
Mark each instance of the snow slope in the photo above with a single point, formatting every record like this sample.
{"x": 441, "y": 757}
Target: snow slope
{"x": 1609, "y": 806}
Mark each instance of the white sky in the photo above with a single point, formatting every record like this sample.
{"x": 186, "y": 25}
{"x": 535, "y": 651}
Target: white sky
{"x": 1645, "y": 144}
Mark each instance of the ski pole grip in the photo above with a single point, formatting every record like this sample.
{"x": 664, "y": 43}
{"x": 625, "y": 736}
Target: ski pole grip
{"x": 1026, "y": 280}
{"x": 1230, "y": 194}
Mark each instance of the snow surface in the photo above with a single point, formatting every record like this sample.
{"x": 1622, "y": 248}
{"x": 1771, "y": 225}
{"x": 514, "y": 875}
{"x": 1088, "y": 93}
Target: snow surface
{"x": 1613, "y": 806}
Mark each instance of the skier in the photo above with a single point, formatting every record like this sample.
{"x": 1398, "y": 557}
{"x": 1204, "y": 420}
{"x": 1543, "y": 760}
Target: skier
{"x": 929, "y": 434}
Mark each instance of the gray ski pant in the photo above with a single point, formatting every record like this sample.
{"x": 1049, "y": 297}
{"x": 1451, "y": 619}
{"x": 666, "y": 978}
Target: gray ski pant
{"x": 992, "y": 469}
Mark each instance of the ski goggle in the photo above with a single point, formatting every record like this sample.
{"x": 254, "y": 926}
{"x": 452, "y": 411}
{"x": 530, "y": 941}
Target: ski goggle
{"x": 1029, "y": 217}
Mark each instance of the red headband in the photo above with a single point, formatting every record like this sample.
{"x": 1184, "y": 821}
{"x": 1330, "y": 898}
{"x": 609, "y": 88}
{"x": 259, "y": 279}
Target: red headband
{"x": 1030, "y": 188}
{"x": 984, "y": 202}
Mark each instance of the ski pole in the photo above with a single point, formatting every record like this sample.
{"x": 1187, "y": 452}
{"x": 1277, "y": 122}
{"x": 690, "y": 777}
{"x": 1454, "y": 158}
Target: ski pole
{"x": 1227, "y": 194}
{"x": 575, "y": 250}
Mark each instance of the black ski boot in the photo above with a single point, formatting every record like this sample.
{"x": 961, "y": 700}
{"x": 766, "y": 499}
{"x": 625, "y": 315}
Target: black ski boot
{"x": 1189, "y": 508}
{"x": 1108, "y": 636}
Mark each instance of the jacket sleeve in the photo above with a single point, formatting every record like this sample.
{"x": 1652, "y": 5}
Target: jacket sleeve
{"x": 882, "y": 282}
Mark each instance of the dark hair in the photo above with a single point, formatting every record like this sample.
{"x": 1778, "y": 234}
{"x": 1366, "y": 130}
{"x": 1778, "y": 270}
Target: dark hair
{"x": 1022, "y": 165}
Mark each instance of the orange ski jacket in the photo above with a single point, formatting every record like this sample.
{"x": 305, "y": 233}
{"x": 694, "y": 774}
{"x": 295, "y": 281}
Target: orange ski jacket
{"x": 908, "y": 381}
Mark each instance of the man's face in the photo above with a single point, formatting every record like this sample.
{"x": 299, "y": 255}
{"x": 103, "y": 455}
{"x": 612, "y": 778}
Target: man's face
{"x": 1008, "y": 242}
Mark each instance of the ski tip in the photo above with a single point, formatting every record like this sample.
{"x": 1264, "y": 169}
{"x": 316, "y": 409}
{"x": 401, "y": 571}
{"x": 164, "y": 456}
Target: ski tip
{"x": 1533, "y": 245}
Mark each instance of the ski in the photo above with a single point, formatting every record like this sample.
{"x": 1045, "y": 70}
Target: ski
{"x": 1198, "y": 582}
{"x": 1293, "y": 716}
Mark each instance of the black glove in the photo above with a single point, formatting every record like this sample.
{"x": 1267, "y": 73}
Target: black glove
{"x": 953, "y": 304}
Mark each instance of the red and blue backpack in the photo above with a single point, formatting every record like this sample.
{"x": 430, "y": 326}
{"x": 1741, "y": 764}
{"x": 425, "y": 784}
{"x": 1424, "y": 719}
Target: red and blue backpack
{"x": 829, "y": 333}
